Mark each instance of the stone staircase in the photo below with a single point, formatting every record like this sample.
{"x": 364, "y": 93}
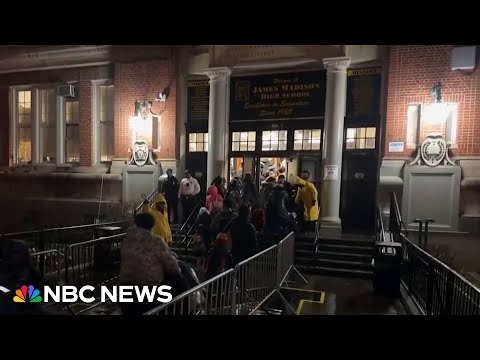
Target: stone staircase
{"x": 347, "y": 256}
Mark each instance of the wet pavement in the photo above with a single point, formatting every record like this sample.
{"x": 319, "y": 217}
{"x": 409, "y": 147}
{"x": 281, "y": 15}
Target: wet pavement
{"x": 343, "y": 296}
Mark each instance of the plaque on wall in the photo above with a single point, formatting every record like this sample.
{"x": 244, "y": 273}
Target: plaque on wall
{"x": 364, "y": 94}
{"x": 198, "y": 95}
{"x": 278, "y": 96}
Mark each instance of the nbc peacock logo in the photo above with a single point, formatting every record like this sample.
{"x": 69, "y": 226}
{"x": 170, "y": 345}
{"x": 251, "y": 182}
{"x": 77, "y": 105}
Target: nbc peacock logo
{"x": 27, "y": 294}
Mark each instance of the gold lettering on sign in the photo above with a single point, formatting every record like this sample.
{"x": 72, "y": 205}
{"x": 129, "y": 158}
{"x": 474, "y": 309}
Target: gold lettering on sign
{"x": 279, "y": 98}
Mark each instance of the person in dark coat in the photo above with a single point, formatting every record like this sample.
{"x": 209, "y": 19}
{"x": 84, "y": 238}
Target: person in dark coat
{"x": 222, "y": 222}
{"x": 235, "y": 194}
{"x": 289, "y": 191}
{"x": 16, "y": 270}
{"x": 219, "y": 259}
{"x": 170, "y": 191}
{"x": 244, "y": 236}
{"x": 278, "y": 220}
{"x": 249, "y": 191}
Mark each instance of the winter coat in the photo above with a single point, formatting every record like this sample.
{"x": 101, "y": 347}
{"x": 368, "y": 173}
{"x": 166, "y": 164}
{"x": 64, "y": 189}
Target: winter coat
{"x": 162, "y": 226}
{"x": 214, "y": 202}
{"x": 145, "y": 258}
{"x": 307, "y": 195}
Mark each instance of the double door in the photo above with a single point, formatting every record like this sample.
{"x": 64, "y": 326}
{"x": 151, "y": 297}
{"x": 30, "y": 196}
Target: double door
{"x": 263, "y": 167}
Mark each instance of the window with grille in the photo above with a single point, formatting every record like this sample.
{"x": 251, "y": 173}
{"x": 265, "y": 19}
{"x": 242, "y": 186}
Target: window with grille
{"x": 48, "y": 128}
{"x": 275, "y": 140}
{"x": 360, "y": 138}
{"x": 72, "y": 117}
{"x": 24, "y": 126}
{"x": 243, "y": 141}
{"x": 106, "y": 133}
{"x": 307, "y": 139}
{"x": 198, "y": 142}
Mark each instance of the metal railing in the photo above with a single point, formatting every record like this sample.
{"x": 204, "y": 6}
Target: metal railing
{"x": 59, "y": 238}
{"x": 50, "y": 264}
{"x": 93, "y": 262}
{"x": 150, "y": 197}
{"x": 436, "y": 288}
{"x": 242, "y": 290}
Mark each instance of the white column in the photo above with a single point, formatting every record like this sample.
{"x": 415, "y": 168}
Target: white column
{"x": 335, "y": 105}
{"x": 218, "y": 122}
{"x": 61, "y": 131}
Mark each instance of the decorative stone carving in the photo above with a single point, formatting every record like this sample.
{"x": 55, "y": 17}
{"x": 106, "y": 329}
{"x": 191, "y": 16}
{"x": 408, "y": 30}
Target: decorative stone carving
{"x": 220, "y": 73}
{"x": 141, "y": 154}
{"x": 337, "y": 64}
{"x": 433, "y": 152}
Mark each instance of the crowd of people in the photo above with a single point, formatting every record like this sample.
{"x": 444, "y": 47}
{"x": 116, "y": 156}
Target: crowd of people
{"x": 233, "y": 225}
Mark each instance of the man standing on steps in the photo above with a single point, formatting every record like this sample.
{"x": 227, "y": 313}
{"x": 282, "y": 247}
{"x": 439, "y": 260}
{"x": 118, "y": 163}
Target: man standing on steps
{"x": 170, "y": 190}
{"x": 187, "y": 193}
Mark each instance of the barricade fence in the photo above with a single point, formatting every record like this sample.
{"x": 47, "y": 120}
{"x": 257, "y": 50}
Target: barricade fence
{"x": 93, "y": 262}
{"x": 60, "y": 238}
{"x": 50, "y": 264}
{"x": 238, "y": 291}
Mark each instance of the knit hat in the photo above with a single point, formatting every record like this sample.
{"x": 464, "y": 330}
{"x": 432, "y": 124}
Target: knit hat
{"x": 222, "y": 239}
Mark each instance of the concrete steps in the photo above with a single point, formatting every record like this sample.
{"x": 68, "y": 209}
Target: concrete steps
{"x": 345, "y": 256}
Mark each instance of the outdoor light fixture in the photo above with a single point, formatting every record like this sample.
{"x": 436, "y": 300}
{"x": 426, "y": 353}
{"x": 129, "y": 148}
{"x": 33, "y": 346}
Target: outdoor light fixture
{"x": 143, "y": 107}
{"x": 435, "y": 113}
{"x": 140, "y": 125}
{"x": 436, "y": 92}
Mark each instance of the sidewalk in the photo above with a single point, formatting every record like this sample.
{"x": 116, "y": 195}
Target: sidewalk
{"x": 345, "y": 296}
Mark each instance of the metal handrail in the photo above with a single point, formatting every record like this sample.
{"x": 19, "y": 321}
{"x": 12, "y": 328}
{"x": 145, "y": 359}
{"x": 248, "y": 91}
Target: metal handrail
{"x": 441, "y": 264}
{"x": 190, "y": 216}
{"x": 149, "y": 198}
{"x": 64, "y": 228}
{"x": 381, "y": 228}
{"x": 189, "y": 292}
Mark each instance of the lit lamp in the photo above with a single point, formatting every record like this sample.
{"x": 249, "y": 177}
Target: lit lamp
{"x": 437, "y": 112}
{"x": 139, "y": 124}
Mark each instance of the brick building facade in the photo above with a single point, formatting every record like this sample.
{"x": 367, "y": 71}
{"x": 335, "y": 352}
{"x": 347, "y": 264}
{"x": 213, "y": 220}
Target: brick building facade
{"x": 67, "y": 152}
{"x": 411, "y": 114}
{"x": 412, "y": 71}
{"x": 109, "y": 79}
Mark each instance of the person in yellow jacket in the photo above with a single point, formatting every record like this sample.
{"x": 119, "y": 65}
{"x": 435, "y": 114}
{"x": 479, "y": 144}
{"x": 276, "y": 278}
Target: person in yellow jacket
{"x": 159, "y": 211}
{"x": 308, "y": 195}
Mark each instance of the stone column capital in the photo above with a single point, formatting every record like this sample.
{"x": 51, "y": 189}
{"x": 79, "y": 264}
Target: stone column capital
{"x": 336, "y": 64}
{"x": 218, "y": 73}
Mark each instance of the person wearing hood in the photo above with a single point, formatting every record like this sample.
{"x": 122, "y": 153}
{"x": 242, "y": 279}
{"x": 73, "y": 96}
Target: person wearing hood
{"x": 235, "y": 194}
{"x": 308, "y": 195}
{"x": 159, "y": 212}
{"x": 214, "y": 202}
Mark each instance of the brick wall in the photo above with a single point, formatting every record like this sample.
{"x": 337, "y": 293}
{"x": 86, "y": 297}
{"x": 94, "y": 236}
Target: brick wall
{"x": 143, "y": 80}
{"x": 413, "y": 70}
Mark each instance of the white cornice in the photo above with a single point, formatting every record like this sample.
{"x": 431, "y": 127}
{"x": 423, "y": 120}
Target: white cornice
{"x": 337, "y": 64}
{"x": 58, "y": 58}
